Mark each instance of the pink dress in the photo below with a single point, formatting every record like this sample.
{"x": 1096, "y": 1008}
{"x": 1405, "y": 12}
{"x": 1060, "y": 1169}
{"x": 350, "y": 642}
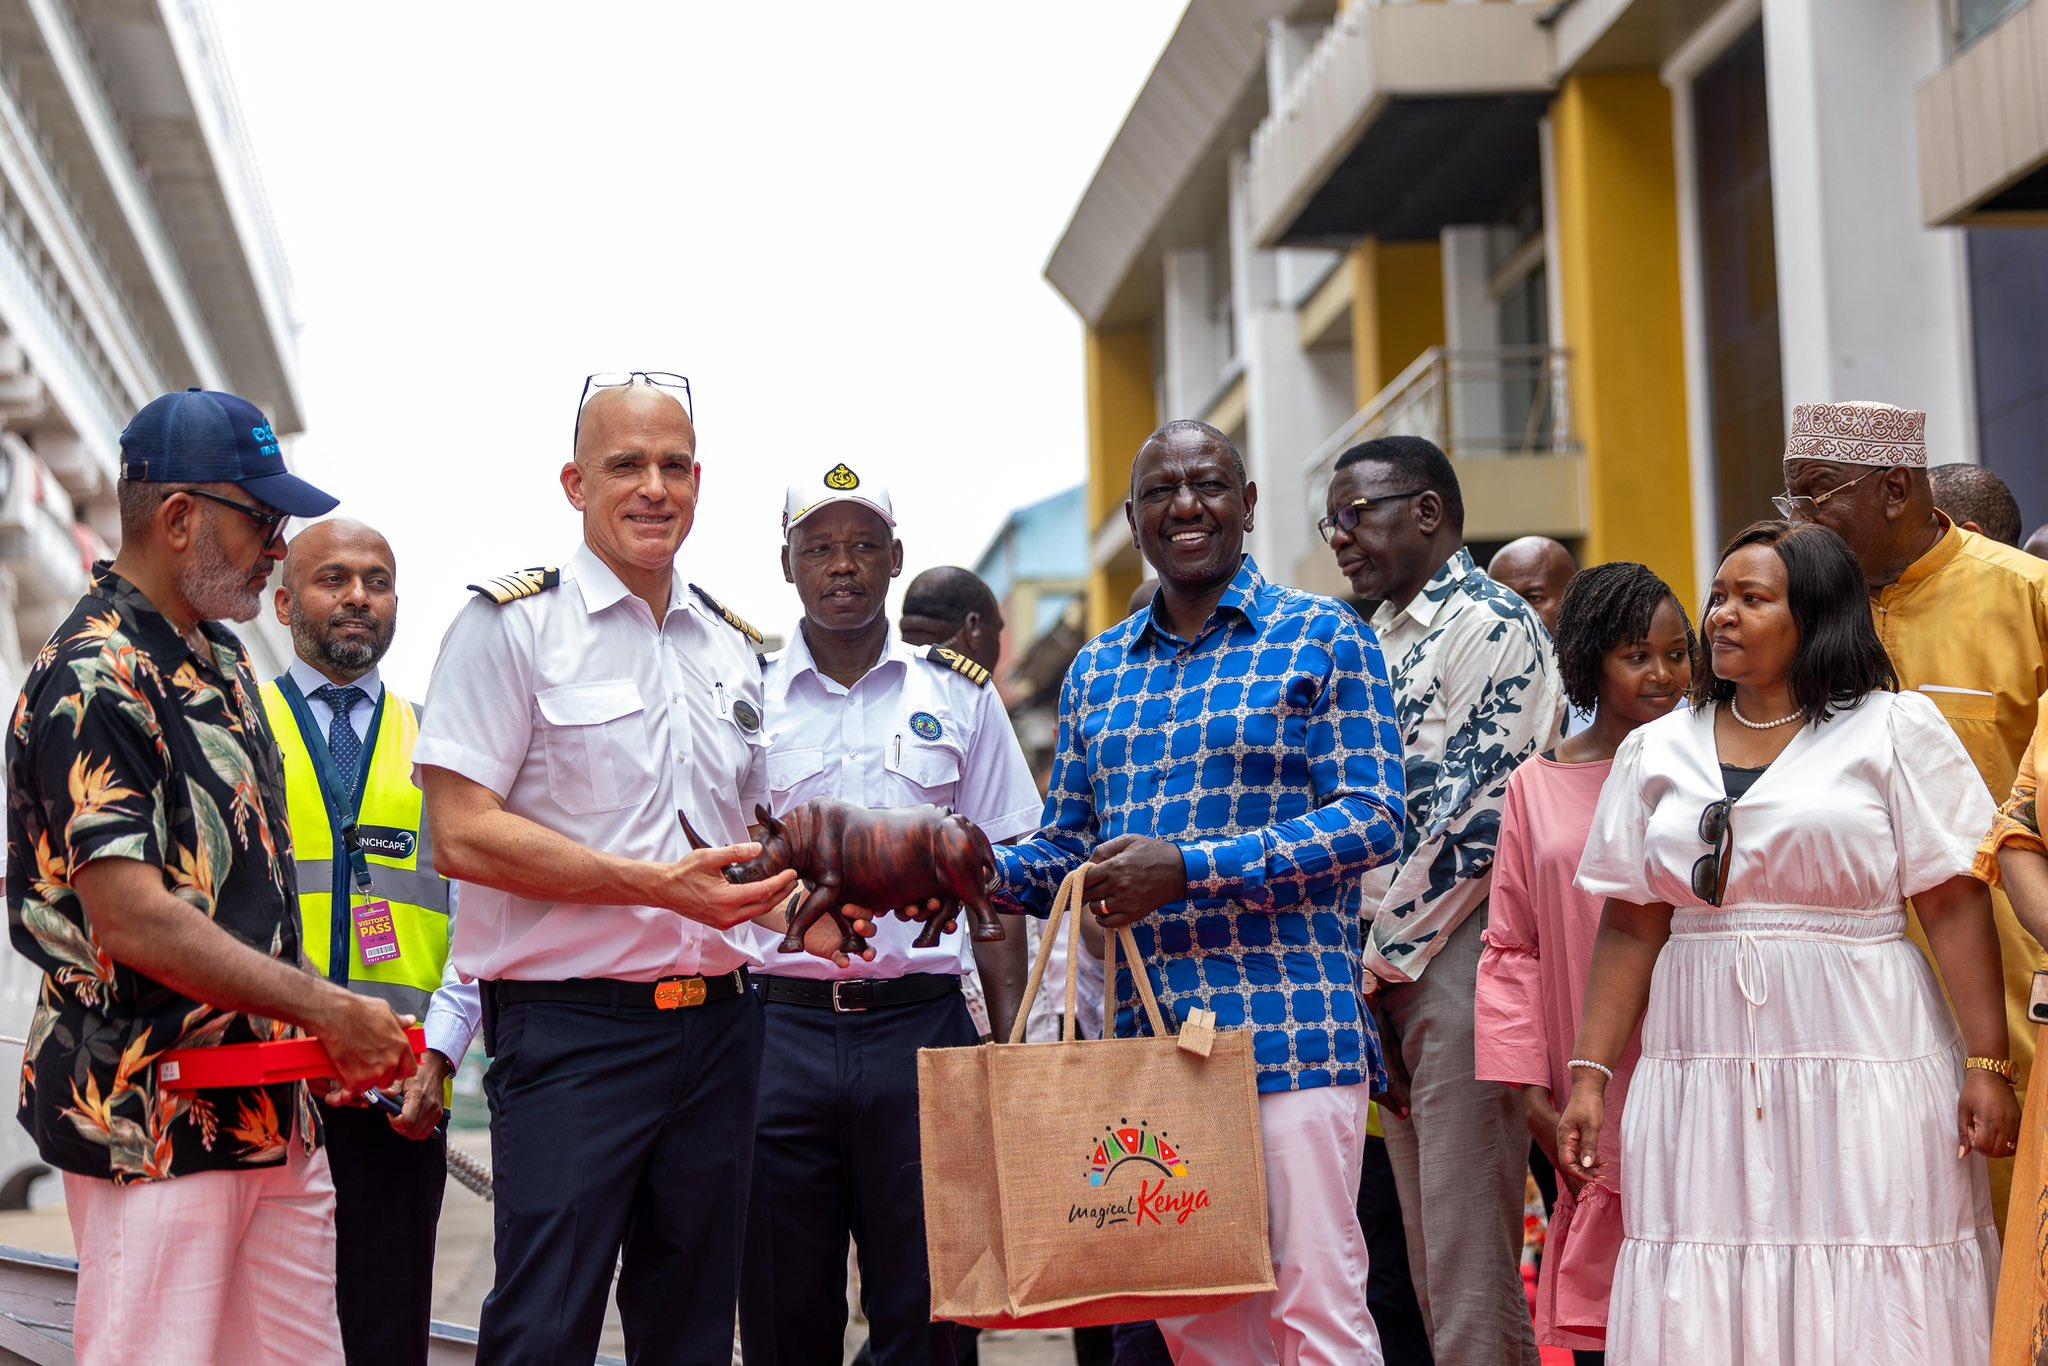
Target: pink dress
{"x": 1532, "y": 987}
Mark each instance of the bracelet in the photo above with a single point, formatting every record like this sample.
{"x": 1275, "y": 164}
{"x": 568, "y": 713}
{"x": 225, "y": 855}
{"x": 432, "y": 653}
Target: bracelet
{"x": 2001, "y": 1067}
{"x": 1603, "y": 1068}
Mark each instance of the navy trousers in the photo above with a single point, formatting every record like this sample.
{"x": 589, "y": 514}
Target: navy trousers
{"x": 836, "y": 1154}
{"x": 619, "y": 1132}
{"x": 387, "y": 1205}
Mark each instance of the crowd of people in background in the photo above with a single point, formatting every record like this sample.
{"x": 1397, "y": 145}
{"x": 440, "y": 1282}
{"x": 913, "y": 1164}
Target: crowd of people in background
{"x": 1720, "y": 930}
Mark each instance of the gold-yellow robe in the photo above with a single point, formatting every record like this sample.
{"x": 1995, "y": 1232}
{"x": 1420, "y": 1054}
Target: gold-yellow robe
{"x": 1967, "y": 624}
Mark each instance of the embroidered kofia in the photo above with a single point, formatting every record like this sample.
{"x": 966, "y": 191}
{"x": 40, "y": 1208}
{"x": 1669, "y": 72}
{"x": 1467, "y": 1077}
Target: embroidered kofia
{"x": 1265, "y": 748}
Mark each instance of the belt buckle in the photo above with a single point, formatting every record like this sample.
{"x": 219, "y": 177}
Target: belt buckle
{"x": 838, "y": 1008}
{"x": 679, "y": 993}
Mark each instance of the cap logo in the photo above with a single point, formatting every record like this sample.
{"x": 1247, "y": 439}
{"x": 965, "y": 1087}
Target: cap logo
{"x": 841, "y": 478}
{"x": 266, "y": 443}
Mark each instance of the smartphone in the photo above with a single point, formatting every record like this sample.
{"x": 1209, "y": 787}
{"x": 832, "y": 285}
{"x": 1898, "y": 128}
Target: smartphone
{"x": 2037, "y": 1003}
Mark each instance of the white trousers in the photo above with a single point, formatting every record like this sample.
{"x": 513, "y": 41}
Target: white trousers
{"x": 213, "y": 1267}
{"x": 1316, "y": 1315}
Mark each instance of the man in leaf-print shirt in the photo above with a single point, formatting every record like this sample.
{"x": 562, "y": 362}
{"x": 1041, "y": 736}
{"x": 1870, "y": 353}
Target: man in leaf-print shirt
{"x": 1476, "y": 692}
{"x": 148, "y": 876}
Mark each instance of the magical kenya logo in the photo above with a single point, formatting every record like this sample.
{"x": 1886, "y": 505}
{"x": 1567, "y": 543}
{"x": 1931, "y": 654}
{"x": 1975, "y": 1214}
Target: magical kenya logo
{"x": 1159, "y": 1168}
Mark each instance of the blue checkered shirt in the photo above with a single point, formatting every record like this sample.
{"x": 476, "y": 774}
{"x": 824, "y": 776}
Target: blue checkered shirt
{"x": 1266, "y": 750}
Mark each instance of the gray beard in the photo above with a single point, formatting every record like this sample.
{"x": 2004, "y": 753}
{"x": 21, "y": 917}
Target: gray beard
{"x": 352, "y": 657}
{"x": 214, "y": 586}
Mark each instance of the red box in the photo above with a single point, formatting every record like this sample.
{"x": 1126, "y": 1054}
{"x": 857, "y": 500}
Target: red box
{"x": 254, "y": 1064}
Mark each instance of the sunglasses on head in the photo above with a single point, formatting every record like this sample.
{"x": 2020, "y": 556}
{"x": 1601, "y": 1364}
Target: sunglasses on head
{"x": 619, "y": 379}
{"x": 1710, "y": 871}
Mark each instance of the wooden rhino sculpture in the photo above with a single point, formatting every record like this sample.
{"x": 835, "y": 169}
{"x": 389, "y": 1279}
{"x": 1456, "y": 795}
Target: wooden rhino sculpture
{"x": 894, "y": 859}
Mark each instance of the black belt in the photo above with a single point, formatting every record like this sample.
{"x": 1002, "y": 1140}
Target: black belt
{"x": 670, "y": 993}
{"x": 856, "y": 995}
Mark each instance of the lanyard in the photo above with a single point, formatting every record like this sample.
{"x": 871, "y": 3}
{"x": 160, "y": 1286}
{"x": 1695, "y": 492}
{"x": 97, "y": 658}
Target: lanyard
{"x": 343, "y": 806}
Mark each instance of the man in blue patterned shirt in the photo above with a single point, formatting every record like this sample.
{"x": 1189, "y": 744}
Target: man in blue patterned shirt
{"x": 1478, "y": 690}
{"x": 1228, "y": 759}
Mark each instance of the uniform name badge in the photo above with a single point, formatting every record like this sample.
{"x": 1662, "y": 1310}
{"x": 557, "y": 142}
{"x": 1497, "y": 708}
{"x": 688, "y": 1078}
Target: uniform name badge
{"x": 376, "y": 934}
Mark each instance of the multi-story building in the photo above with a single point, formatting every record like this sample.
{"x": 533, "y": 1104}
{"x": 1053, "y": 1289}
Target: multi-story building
{"x": 1038, "y": 570}
{"x": 1595, "y": 249}
{"x": 136, "y": 256}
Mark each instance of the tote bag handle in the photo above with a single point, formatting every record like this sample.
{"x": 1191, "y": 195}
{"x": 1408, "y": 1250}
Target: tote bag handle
{"x": 1066, "y": 912}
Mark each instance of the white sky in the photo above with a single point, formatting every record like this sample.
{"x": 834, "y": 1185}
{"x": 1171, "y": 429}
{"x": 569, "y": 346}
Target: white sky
{"x": 831, "y": 217}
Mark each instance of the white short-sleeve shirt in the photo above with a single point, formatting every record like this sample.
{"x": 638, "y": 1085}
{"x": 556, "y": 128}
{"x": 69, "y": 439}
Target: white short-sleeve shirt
{"x": 909, "y": 732}
{"x": 587, "y": 718}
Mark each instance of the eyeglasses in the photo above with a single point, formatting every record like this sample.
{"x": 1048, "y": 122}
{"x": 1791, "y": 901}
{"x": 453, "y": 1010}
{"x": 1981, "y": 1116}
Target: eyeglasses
{"x": 1710, "y": 871}
{"x": 272, "y": 522}
{"x": 619, "y": 379}
{"x": 1346, "y": 518}
{"x": 1799, "y": 505}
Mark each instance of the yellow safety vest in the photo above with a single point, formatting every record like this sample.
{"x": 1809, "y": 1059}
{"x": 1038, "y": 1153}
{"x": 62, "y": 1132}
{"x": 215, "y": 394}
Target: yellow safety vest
{"x": 400, "y": 858}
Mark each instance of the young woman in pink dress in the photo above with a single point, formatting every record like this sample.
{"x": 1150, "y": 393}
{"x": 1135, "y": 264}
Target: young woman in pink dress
{"x": 1625, "y": 651}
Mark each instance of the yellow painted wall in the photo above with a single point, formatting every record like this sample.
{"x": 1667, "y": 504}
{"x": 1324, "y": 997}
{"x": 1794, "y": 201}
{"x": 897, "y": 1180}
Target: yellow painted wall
{"x": 1122, "y": 412}
{"x": 1397, "y": 309}
{"x": 1617, "y": 229}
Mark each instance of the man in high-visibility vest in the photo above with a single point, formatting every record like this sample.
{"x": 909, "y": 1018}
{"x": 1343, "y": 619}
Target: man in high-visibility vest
{"x": 376, "y": 919}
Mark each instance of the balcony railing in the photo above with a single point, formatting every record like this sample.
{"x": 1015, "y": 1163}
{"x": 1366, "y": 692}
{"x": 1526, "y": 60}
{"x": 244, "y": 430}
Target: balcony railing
{"x": 1478, "y": 405}
{"x": 1376, "y": 52}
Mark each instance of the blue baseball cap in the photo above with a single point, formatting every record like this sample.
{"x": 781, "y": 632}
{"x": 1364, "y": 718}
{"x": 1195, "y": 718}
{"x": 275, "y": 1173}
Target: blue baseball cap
{"x": 204, "y": 437}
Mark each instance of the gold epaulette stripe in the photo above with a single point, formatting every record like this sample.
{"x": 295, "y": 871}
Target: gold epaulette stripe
{"x": 730, "y": 617}
{"x": 524, "y": 584}
{"x": 959, "y": 664}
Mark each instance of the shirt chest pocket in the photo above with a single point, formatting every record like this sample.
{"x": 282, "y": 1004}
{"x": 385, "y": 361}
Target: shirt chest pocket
{"x": 923, "y": 772}
{"x": 598, "y": 753}
{"x": 792, "y": 777}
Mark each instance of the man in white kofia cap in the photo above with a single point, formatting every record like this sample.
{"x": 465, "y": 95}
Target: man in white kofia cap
{"x": 854, "y": 714}
{"x": 1964, "y": 619}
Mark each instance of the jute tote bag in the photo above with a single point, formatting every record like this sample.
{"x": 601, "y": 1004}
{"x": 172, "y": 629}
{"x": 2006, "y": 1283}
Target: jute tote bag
{"x": 1091, "y": 1181}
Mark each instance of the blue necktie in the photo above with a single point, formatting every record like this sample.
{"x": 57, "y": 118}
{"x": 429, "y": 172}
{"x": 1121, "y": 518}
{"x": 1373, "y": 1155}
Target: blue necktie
{"x": 342, "y": 741}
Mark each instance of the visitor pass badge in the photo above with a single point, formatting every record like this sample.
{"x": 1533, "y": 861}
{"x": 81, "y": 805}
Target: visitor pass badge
{"x": 375, "y": 933}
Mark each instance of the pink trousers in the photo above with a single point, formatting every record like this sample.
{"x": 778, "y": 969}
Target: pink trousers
{"x": 213, "y": 1267}
{"x": 1315, "y": 1154}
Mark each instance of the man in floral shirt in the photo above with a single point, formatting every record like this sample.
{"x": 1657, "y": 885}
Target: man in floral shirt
{"x": 148, "y": 876}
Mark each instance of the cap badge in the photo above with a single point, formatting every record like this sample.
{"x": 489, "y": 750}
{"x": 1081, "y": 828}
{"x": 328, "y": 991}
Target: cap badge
{"x": 841, "y": 478}
{"x": 747, "y": 715}
{"x": 925, "y": 725}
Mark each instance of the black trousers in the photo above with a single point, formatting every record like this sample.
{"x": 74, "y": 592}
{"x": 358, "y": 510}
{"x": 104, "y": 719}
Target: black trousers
{"x": 836, "y": 1154}
{"x": 619, "y": 1131}
{"x": 1389, "y": 1286}
{"x": 387, "y": 1204}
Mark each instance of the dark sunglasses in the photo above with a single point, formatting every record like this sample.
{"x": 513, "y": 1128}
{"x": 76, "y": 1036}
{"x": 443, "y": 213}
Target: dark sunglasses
{"x": 619, "y": 379}
{"x": 270, "y": 520}
{"x": 1346, "y": 518}
{"x": 1710, "y": 871}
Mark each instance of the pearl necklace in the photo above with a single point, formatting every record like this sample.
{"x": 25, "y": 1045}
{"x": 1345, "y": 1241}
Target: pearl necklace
{"x": 1761, "y": 725}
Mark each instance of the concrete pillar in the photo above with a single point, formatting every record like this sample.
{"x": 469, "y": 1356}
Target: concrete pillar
{"x": 1617, "y": 235}
{"x": 1471, "y": 323}
{"x": 1193, "y": 359}
{"x": 1397, "y": 310}
{"x": 1872, "y": 304}
{"x": 1121, "y": 414}
{"x": 1294, "y": 399}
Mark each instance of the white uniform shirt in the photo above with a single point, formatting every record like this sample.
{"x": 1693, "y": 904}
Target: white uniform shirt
{"x": 587, "y": 718}
{"x": 908, "y": 733}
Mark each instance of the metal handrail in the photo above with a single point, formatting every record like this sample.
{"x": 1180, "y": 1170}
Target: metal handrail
{"x": 1427, "y": 387}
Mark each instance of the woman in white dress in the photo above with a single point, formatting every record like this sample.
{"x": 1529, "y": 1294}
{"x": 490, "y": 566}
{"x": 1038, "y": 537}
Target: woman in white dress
{"x": 1802, "y": 1133}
